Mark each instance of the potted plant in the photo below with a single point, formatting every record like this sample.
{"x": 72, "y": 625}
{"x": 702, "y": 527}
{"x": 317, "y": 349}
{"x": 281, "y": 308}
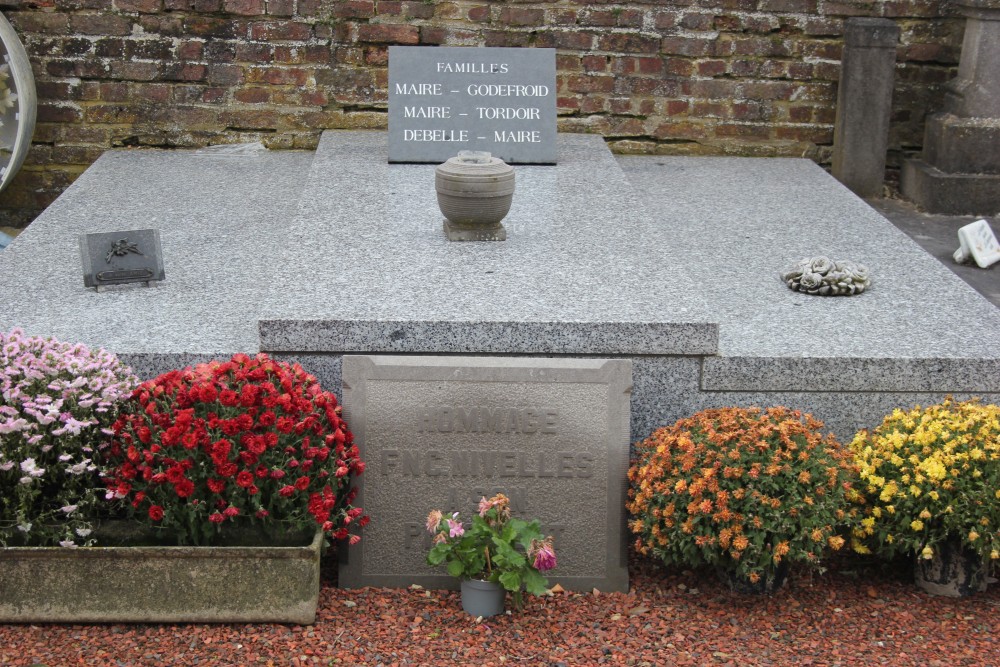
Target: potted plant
{"x": 931, "y": 479}
{"x": 58, "y": 402}
{"x": 496, "y": 554}
{"x": 743, "y": 490}
{"x": 233, "y": 471}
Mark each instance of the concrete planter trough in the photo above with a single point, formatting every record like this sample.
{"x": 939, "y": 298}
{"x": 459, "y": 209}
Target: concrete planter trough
{"x": 162, "y": 584}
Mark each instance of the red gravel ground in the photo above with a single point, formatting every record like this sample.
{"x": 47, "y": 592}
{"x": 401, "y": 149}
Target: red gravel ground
{"x": 856, "y": 614}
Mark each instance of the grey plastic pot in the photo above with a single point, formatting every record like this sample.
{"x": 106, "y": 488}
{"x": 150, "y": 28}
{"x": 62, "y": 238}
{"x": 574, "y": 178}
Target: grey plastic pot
{"x": 482, "y": 598}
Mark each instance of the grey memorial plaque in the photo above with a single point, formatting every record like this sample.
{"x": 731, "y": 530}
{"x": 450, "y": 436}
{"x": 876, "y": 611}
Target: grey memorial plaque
{"x": 442, "y": 432}
{"x": 114, "y": 258}
{"x": 446, "y": 99}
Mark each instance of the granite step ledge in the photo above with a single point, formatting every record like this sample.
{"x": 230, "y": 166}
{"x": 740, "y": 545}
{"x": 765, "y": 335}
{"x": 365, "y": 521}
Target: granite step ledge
{"x": 426, "y": 337}
{"x": 774, "y": 374}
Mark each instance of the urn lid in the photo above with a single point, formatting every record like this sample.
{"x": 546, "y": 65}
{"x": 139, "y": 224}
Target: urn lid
{"x": 474, "y": 165}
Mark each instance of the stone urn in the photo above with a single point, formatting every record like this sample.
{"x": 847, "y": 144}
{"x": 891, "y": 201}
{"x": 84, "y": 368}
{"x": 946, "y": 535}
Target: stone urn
{"x": 474, "y": 192}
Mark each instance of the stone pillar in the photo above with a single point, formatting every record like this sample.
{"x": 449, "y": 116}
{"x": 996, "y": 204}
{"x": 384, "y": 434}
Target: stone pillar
{"x": 959, "y": 171}
{"x": 864, "y": 101}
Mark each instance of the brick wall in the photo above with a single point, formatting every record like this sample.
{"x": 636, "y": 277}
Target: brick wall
{"x": 689, "y": 77}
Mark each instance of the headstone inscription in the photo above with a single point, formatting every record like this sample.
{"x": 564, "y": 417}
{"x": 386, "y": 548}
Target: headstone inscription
{"x": 114, "y": 258}
{"x": 443, "y": 432}
{"x": 446, "y": 99}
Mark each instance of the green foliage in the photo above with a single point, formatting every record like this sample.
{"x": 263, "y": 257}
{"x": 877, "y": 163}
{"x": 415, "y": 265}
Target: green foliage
{"x": 495, "y": 547}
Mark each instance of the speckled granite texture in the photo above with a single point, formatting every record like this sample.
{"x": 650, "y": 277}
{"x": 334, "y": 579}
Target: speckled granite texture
{"x": 672, "y": 262}
{"x": 580, "y": 272}
{"x": 221, "y": 220}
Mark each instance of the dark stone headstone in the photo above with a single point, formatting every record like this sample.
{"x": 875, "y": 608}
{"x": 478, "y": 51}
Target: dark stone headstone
{"x": 446, "y": 99}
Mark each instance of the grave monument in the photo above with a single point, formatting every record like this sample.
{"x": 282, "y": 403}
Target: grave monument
{"x": 667, "y": 265}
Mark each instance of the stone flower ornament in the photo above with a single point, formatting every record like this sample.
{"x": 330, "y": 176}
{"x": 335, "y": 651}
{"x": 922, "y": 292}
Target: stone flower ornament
{"x": 824, "y": 277}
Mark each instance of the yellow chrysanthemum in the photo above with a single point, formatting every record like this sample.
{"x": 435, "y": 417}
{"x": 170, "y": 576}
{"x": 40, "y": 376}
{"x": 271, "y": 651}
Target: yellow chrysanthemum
{"x": 917, "y": 525}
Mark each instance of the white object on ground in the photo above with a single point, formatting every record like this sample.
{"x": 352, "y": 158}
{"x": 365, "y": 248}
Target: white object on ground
{"x": 978, "y": 241}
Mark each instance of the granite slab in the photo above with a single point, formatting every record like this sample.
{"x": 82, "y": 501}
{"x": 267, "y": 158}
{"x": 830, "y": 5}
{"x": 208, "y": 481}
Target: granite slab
{"x": 737, "y": 222}
{"x": 221, "y": 217}
{"x": 582, "y": 270}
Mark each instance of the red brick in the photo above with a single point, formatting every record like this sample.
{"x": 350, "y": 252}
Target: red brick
{"x": 225, "y": 75}
{"x": 800, "y": 114}
{"x": 816, "y": 135}
{"x": 149, "y": 49}
{"x": 135, "y": 71}
{"x": 508, "y": 38}
{"x": 625, "y": 42}
{"x": 752, "y": 131}
{"x": 114, "y": 92}
{"x": 354, "y": 9}
{"x": 824, "y": 27}
{"x": 144, "y": 6}
{"x": 680, "y": 130}
{"x": 568, "y": 62}
{"x": 112, "y": 113}
{"x": 152, "y": 92}
{"x": 389, "y": 8}
{"x": 563, "y": 17}
{"x": 849, "y": 8}
{"x": 598, "y": 18}
{"x": 590, "y": 84}
{"x": 383, "y": 33}
{"x": 593, "y": 104}
{"x": 281, "y": 7}
{"x": 798, "y": 70}
{"x": 243, "y": 7}
{"x": 519, "y": 16}
{"x": 100, "y": 24}
{"x": 280, "y": 30}
{"x": 252, "y": 95}
{"x": 418, "y": 10}
{"x": 709, "y": 109}
{"x": 567, "y": 103}
{"x": 911, "y": 8}
{"x": 624, "y": 64}
{"x": 744, "y": 68}
{"x": 208, "y": 26}
{"x": 666, "y": 20}
{"x": 184, "y": 72}
{"x": 39, "y": 22}
{"x": 677, "y": 107}
{"x": 685, "y": 46}
{"x": 254, "y": 52}
{"x": 377, "y": 56}
{"x": 109, "y": 48}
{"x": 712, "y": 67}
{"x": 189, "y": 50}
{"x": 796, "y": 6}
{"x": 626, "y": 127}
{"x": 692, "y": 21}
{"x": 479, "y": 14}
{"x": 279, "y": 76}
{"x": 594, "y": 63}
{"x": 650, "y": 65}
{"x": 679, "y": 67}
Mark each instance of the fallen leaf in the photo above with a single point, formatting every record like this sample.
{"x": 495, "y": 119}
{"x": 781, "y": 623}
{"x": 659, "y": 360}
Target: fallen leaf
{"x": 557, "y": 589}
{"x": 616, "y": 617}
{"x": 635, "y": 611}
{"x": 350, "y": 603}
